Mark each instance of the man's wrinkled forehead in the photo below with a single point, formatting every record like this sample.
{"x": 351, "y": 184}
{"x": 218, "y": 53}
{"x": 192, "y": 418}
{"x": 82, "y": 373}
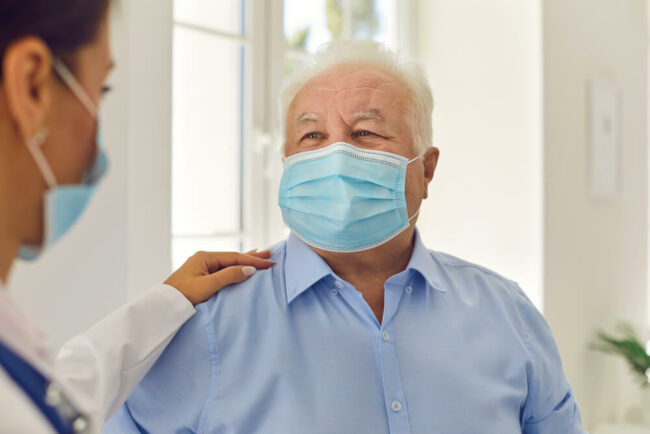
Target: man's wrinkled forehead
{"x": 352, "y": 77}
{"x": 358, "y": 90}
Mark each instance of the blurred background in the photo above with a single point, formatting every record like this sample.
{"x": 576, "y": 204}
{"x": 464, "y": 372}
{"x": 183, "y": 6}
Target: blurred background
{"x": 540, "y": 115}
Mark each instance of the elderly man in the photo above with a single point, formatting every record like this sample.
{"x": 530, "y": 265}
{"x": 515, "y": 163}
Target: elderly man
{"x": 358, "y": 328}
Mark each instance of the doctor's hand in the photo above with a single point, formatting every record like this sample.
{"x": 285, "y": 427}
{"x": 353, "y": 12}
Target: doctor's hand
{"x": 205, "y": 273}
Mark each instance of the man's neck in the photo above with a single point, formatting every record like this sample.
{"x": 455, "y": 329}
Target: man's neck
{"x": 375, "y": 264}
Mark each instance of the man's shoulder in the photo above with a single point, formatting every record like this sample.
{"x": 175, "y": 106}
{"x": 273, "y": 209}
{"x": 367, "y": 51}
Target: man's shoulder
{"x": 264, "y": 284}
{"x": 459, "y": 271}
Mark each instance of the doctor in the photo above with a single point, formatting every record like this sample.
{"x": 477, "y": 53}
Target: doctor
{"x": 54, "y": 58}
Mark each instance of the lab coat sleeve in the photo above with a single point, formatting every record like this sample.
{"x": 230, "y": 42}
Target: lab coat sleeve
{"x": 102, "y": 366}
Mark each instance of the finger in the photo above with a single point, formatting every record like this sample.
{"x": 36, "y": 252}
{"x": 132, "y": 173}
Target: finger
{"x": 250, "y": 252}
{"x": 230, "y": 275}
{"x": 264, "y": 254}
{"x": 215, "y": 261}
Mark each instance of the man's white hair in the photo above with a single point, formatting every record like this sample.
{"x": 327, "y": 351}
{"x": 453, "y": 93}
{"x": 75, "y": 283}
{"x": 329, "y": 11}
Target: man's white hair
{"x": 338, "y": 53}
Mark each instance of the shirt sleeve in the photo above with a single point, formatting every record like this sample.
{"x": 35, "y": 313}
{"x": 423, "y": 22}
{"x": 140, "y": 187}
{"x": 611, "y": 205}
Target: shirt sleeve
{"x": 103, "y": 365}
{"x": 550, "y": 406}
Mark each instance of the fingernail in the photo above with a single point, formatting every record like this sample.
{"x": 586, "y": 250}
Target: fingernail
{"x": 248, "y": 270}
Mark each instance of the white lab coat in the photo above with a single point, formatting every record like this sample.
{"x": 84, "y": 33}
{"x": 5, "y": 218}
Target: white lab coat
{"x": 99, "y": 368}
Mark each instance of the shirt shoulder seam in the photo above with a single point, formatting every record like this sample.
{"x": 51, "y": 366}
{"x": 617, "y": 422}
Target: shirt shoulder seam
{"x": 214, "y": 361}
{"x": 443, "y": 258}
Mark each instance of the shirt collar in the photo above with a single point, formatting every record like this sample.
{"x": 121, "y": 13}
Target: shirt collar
{"x": 423, "y": 263}
{"x": 303, "y": 267}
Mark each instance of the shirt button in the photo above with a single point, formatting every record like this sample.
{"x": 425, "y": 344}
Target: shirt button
{"x": 338, "y": 284}
{"x": 396, "y": 406}
{"x": 384, "y": 335}
{"x": 334, "y": 291}
{"x": 408, "y": 289}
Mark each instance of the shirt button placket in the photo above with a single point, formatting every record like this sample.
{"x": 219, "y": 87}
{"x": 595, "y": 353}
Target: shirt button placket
{"x": 393, "y": 391}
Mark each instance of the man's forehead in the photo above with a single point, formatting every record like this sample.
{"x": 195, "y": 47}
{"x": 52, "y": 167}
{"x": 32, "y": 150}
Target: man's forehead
{"x": 350, "y": 78}
{"x": 351, "y": 94}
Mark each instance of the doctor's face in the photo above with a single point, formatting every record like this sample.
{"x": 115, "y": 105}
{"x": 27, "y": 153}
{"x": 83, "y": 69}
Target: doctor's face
{"x": 70, "y": 147}
{"x": 70, "y": 144}
{"x": 366, "y": 107}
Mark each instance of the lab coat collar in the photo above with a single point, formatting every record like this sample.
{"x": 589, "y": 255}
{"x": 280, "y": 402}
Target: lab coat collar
{"x": 22, "y": 336}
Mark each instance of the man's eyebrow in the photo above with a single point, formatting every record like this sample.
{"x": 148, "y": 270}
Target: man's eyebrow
{"x": 371, "y": 115}
{"x": 307, "y": 117}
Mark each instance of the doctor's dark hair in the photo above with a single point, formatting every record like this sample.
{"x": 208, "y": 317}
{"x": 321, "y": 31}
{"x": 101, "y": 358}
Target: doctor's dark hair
{"x": 64, "y": 25}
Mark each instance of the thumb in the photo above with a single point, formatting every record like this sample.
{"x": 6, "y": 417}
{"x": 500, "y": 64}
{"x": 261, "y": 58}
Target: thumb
{"x": 229, "y": 275}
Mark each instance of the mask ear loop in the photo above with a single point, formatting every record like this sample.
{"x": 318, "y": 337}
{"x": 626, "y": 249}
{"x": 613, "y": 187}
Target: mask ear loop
{"x": 414, "y": 159}
{"x": 420, "y": 155}
{"x": 75, "y": 87}
{"x": 409, "y": 162}
{"x": 34, "y": 147}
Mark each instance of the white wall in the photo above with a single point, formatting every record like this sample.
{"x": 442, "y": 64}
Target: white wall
{"x": 510, "y": 81}
{"x": 596, "y": 250}
{"x": 482, "y": 59}
{"x": 116, "y": 250}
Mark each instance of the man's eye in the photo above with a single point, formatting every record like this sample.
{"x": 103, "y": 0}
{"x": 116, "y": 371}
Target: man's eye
{"x": 312, "y": 135}
{"x": 365, "y": 133}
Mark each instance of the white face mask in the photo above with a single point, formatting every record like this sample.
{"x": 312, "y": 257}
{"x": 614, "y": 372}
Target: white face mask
{"x": 65, "y": 204}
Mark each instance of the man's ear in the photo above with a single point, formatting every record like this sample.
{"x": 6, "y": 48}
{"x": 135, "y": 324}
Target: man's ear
{"x": 26, "y": 82}
{"x": 430, "y": 160}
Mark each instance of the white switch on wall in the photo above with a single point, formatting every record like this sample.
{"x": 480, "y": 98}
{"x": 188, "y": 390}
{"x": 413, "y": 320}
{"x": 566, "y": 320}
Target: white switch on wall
{"x": 604, "y": 148}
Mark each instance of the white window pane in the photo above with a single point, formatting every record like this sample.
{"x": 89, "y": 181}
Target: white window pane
{"x": 183, "y": 248}
{"x": 221, "y": 15}
{"x": 305, "y": 24}
{"x": 308, "y": 24}
{"x": 373, "y": 19}
{"x": 206, "y": 134}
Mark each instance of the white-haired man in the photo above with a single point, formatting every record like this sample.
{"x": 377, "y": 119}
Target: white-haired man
{"x": 358, "y": 328}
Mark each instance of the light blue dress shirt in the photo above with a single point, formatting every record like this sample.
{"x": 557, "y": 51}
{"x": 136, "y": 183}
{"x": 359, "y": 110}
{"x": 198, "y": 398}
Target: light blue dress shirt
{"x": 295, "y": 349}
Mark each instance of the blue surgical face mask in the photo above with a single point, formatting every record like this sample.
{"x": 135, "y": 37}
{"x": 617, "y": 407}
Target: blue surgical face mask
{"x": 345, "y": 199}
{"x": 64, "y": 204}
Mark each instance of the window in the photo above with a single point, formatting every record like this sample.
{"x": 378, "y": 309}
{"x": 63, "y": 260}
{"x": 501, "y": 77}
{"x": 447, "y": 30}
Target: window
{"x": 207, "y": 126}
{"x": 308, "y": 24}
{"x": 228, "y": 62}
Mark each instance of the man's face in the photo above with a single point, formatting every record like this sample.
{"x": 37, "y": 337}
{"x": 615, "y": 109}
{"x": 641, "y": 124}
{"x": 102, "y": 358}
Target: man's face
{"x": 361, "y": 105}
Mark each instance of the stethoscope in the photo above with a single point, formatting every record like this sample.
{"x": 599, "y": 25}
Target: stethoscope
{"x": 46, "y": 395}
